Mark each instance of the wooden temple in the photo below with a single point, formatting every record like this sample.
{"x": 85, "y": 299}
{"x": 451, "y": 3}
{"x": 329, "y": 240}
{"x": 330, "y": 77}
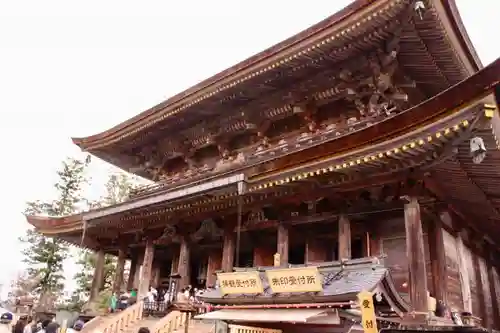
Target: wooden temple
{"x": 366, "y": 144}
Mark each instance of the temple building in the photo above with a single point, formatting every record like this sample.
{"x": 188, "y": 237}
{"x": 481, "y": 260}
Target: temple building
{"x": 361, "y": 154}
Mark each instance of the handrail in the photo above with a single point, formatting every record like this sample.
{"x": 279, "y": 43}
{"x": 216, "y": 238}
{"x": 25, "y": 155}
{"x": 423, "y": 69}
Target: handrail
{"x": 121, "y": 321}
{"x": 251, "y": 329}
{"x": 171, "y": 322}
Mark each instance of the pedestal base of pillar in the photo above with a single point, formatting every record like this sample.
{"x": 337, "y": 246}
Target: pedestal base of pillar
{"x": 471, "y": 320}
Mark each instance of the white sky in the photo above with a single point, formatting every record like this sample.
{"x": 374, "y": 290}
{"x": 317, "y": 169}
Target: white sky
{"x": 75, "y": 68}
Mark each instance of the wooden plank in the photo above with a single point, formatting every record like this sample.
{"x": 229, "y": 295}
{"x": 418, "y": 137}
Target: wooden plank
{"x": 464, "y": 274}
{"x": 438, "y": 260}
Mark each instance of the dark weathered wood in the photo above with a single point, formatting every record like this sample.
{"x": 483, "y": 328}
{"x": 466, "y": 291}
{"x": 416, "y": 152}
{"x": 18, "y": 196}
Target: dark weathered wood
{"x": 344, "y": 238}
{"x": 228, "y": 251}
{"x": 283, "y": 244}
{"x": 120, "y": 266}
{"x": 438, "y": 259}
{"x": 263, "y": 255}
{"x": 147, "y": 266}
{"x": 214, "y": 264}
{"x": 98, "y": 278}
{"x": 316, "y": 250}
{"x": 480, "y": 290}
{"x": 415, "y": 252}
{"x": 464, "y": 273}
{"x": 493, "y": 289}
{"x": 184, "y": 263}
{"x": 132, "y": 270}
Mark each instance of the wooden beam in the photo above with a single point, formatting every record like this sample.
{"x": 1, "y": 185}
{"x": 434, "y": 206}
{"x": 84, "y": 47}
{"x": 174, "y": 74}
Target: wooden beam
{"x": 184, "y": 263}
{"x": 493, "y": 287}
{"x": 416, "y": 257}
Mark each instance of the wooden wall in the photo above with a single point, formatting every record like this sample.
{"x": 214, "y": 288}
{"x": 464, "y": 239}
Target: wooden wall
{"x": 392, "y": 238}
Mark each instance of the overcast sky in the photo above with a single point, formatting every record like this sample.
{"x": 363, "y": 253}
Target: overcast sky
{"x": 75, "y": 68}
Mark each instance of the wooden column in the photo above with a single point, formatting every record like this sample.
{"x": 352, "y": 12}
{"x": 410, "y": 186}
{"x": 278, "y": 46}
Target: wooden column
{"x": 131, "y": 273}
{"x": 120, "y": 267}
{"x": 98, "y": 279}
{"x": 283, "y": 244}
{"x": 138, "y": 269}
{"x": 344, "y": 238}
{"x": 228, "y": 250}
{"x": 147, "y": 265}
{"x": 175, "y": 262}
{"x": 416, "y": 257}
{"x": 315, "y": 250}
{"x": 464, "y": 273}
{"x": 214, "y": 264}
{"x": 493, "y": 288}
{"x": 438, "y": 260}
{"x": 480, "y": 288}
{"x": 184, "y": 263}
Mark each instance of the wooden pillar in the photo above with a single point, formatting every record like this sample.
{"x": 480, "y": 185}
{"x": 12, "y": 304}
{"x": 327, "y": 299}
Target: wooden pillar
{"x": 315, "y": 250}
{"x": 120, "y": 267}
{"x": 214, "y": 264}
{"x": 438, "y": 260}
{"x": 480, "y": 289}
{"x": 283, "y": 244}
{"x": 131, "y": 273}
{"x": 184, "y": 263}
{"x": 175, "y": 262}
{"x": 344, "y": 238}
{"x": 98, "y": 279}
{"x": 147, "y": 265}
{"x": 493, "y": 288}
{"x": 416, "y": 257}
{"x": 228, "y": 250}
{"x": 138, "y": 269}
{"x": 464, "y": 273}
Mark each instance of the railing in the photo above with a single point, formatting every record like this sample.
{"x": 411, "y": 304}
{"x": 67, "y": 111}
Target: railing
{"x": 119, "y": 322}
{"x": 155, "y": 309}
{"x": 171, "y": 322}
{"x": 250, "y": 329}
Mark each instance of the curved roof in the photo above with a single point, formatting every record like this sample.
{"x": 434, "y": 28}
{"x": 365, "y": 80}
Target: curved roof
{"x": 276, "y": 56}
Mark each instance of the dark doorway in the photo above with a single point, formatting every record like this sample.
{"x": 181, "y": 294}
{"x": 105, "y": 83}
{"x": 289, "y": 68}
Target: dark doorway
{"x": 297, "y": 254}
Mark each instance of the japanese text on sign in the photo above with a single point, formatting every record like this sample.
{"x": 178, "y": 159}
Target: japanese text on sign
{"x": 294, "y": 280}
{"x": 240, "y": 283}
{"x": 368, "y": 318}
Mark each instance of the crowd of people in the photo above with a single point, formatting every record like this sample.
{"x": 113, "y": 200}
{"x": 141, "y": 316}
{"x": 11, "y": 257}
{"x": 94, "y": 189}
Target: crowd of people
{"x": 26, "y": 324}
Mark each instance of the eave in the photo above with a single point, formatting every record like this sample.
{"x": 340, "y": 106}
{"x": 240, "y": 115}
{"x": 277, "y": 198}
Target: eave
{"x": 450, "y": 112}
{"x": 336, "y": 26}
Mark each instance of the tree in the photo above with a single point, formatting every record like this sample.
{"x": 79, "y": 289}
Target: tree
{"x": 45, "y": 255}
{"x": 118, "y": 188}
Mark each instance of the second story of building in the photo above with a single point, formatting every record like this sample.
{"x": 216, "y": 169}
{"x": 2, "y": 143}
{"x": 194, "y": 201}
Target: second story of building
{"x": 358, "y": 67}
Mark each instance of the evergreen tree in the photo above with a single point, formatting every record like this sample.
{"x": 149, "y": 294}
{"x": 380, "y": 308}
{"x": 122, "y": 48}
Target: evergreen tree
{"x": 118, "y": 188}
{"x": 45, "y": 255}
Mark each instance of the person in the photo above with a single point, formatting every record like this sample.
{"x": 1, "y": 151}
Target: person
{"x": 29, "y": 325}
{"x": 113, "y": 302}
{"x": 5, "y": 321}
{"x": 52, "y": 328}
{"x": 19, "y": 326}
{"x": 143, "y": 330}
{"x": 77, "y": 327}
{"x": 181, "y": 296}
{"x": 44, "y": 325}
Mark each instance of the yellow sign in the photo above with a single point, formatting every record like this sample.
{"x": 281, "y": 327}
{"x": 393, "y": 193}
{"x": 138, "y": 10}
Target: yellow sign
{"x": 277, "y": 260}
{"x": 240, "y": 283}
{"x": 294, "y": 280}
{"x": 368, "y": 318}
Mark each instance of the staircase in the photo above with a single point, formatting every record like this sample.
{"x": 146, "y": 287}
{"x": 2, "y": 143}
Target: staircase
{"x": 131, "y": 319}
{"x": 148, "y": 322}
